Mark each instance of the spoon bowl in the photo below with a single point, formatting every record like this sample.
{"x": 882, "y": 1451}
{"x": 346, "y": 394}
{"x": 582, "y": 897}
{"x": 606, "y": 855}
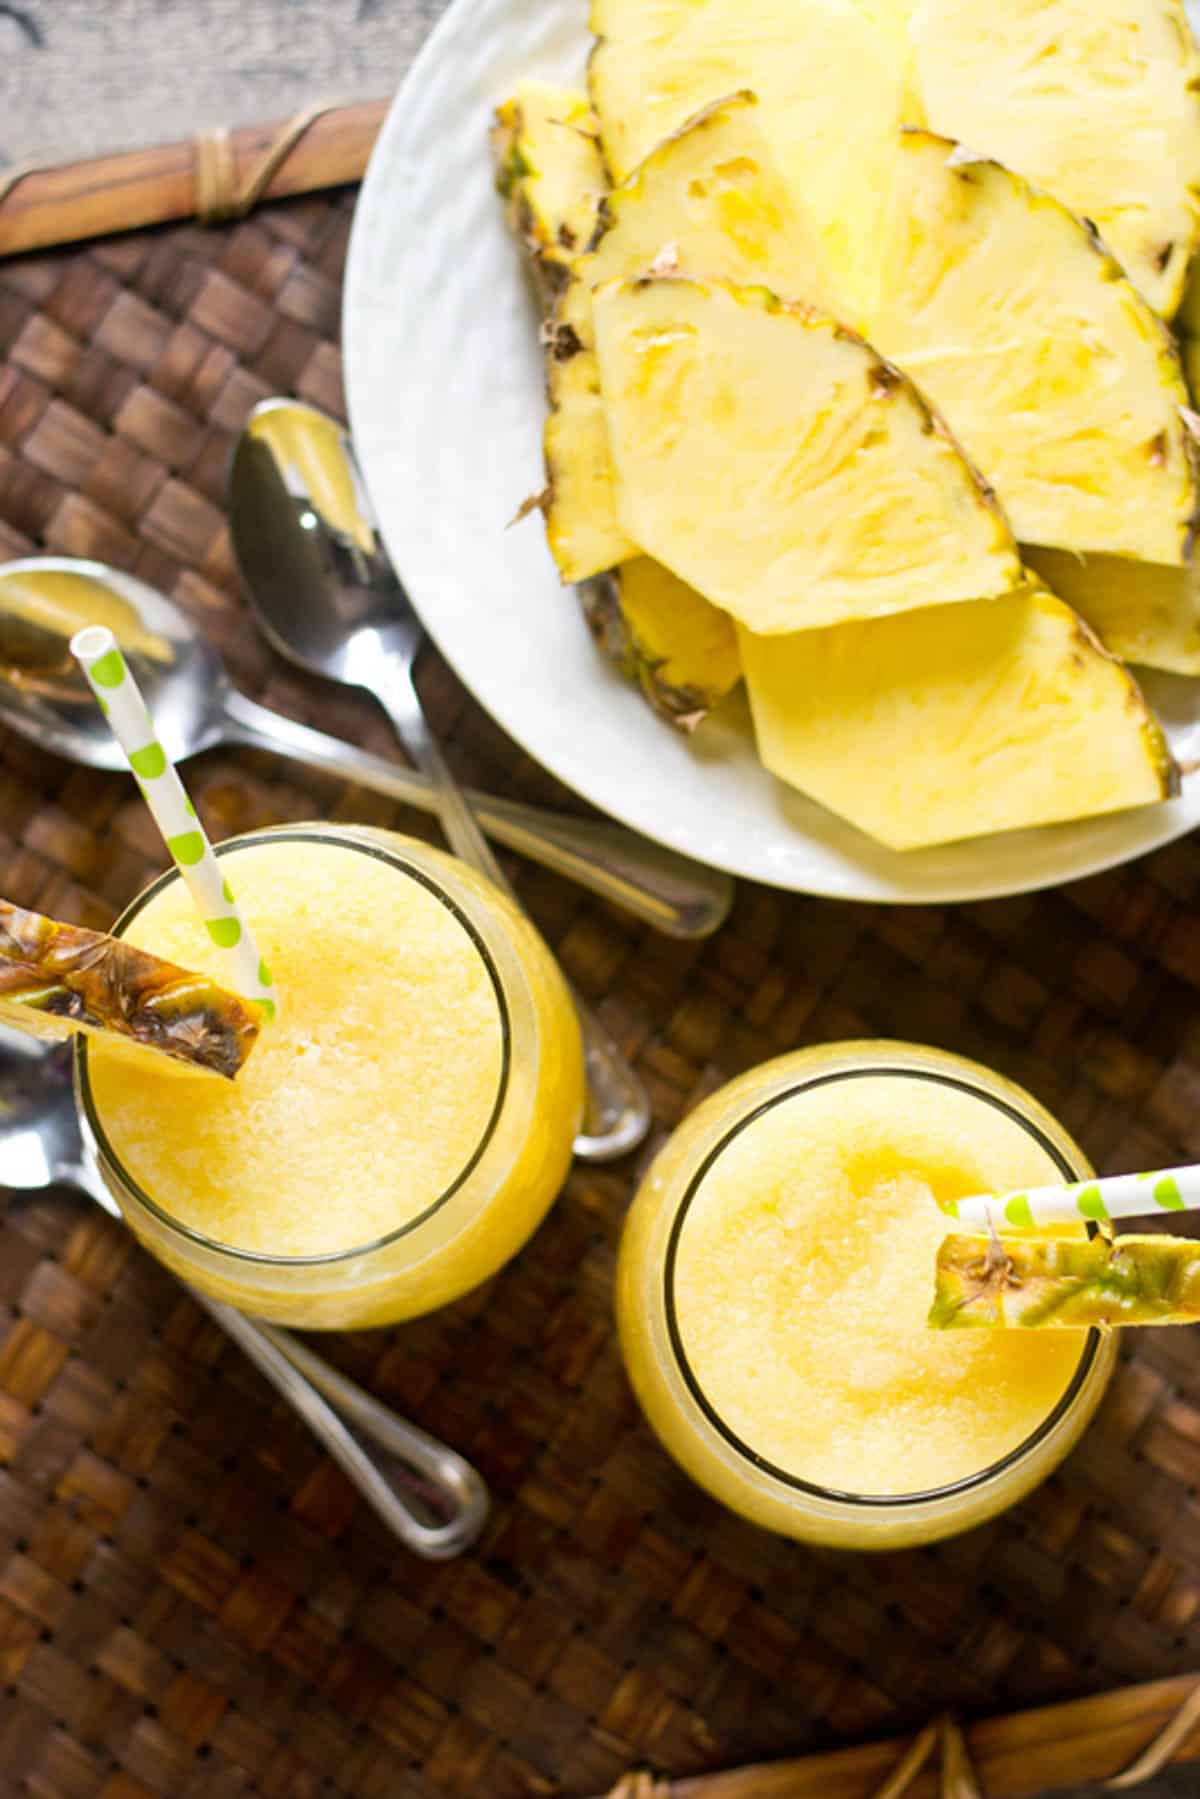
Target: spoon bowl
{"x": 44, "y": 697}
{"x": 43, "y": 692}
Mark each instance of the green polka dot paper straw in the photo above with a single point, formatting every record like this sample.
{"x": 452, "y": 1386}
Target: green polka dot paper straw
{"x": 110, "y": 679}
{"x": 1119, "y": 1196}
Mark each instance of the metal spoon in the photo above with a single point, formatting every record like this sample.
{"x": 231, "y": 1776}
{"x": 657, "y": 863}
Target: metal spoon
{"x": 427, "y": 1494}
{"x": 43, "y": 695}
{"x": 327, "y": 597}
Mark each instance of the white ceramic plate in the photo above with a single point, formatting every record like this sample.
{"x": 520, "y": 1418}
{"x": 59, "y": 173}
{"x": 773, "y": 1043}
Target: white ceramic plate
{"x": 446, "y": 402}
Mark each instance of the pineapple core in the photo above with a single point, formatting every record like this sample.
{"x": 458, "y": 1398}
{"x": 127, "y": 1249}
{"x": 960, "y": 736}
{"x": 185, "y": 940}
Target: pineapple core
{"x": 802, "y": 1284}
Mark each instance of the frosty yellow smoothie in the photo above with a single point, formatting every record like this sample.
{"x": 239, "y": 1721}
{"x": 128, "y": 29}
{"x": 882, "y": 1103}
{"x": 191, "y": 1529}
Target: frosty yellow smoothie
{"x": 774, "y": 1280}
{"x": 402, "y": 1126}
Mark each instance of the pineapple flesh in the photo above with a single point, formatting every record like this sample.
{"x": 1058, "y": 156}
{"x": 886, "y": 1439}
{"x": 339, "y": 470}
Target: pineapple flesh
{"x": 831, "y": 83}
{"x": 776, "y": 463}
{"x": 1144, "y": 612}
{"x": 551, "y": 175}
{"x": 56, "y": 979}
{"x": 711, "y": 200}
{"x": 680, "y": 650}
{"x": 955, "y": 721}
{"x": 1097, "y": 101}
{"x": 1062, "y": 385}
{"x": 1036, "y": 1283}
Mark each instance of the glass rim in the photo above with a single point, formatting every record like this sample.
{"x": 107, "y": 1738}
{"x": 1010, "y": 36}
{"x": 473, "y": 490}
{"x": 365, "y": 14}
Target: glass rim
{"x": 344, "y": 836}
{"x": 814, "y": 1489}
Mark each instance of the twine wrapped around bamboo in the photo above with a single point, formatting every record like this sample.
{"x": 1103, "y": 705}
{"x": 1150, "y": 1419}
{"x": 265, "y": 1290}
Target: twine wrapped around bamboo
{"x": 219, "y": 175}
{"x": 1119, "y": 1739}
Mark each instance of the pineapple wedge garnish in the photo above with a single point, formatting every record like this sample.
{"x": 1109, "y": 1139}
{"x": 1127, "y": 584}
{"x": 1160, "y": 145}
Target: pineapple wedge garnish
{"x": 956, "y": 721}
{"x": 1037, "y": 1283}
{"x": 57, "y": 979}
{"x": 550, "y": 172}
{"x": 680, "y": 650}
{"x": 1144, "y": 612}
{"x": 776, "y": 463}
{"x": 1061, "y": 384}
{"x": 832, "y": 83}
{"x": 1097, "y": 101}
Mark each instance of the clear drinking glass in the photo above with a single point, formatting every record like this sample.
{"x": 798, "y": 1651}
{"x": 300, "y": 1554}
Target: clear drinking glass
{"x": 654, "y": 1336}
{"x": 497, "y": 1186}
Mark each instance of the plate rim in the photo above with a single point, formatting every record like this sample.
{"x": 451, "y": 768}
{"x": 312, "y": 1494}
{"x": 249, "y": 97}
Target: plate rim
{"x": 1172, "y": 819}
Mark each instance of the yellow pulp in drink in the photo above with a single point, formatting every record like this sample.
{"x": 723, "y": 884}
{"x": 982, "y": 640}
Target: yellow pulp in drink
{"x": 800, "y": 1272}
{"x": 379, "y": 1084}
{"x": 804, "y": 1276}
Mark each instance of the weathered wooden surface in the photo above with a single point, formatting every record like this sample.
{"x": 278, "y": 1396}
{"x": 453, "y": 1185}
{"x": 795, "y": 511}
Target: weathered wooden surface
{"x": 78, "y": 77}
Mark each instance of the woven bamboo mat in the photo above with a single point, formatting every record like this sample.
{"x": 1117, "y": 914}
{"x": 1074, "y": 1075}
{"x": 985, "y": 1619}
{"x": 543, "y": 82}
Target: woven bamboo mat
{"x": 191, "y": 1600}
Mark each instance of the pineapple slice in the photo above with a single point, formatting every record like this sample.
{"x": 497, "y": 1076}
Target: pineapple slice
{"x": 1039, "y": 1282}
{"x": 709, "y": 199}
{"x": 712, "y": 200}
{"x": 1141, "y": 611}
{"x": 681, "y": 651}
{"x": 956, "y": 721}
{"x": 56, "y": 979}
{"x": 550, "y": 171}
{"x": 832, "y": 85}
{"x": 1059, "y": 381}
{"x": 776, "y": 463}
{"x": 1097, "y": 101}
{"x": 582, "y": 527}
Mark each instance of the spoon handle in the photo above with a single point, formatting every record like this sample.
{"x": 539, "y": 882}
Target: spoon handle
{"x": 431, "y": 1498}
{"x": 678, "y": 896}
{"x": 425, "y": 1492}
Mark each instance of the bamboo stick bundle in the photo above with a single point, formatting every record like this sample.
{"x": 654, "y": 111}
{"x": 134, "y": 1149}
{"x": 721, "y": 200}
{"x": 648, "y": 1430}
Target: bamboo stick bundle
{"x": 1119, "y": 1739}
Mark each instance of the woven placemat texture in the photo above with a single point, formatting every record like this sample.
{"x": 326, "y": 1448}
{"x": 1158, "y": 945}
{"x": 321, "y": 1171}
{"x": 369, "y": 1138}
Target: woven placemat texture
{"x": 192, "y": 1601}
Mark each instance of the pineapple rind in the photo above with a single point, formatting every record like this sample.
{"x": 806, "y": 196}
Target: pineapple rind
{"x": 852, "y": 499}
{"x": 1097, "y": 101}
{"x": 946, "y": 723}
{"x": 680, "y": 650}
{"x": 550, "y": 173}
{"x": 1062, "y": 384}
{"x": 1039, "y": 1283}
{"x": 1143, "y": 612}
{"x": 56, "y": 979}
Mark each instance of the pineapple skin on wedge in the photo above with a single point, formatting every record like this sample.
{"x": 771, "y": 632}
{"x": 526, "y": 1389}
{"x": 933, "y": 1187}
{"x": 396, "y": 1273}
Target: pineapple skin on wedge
{"x": 550, "y": 172}
{"x": 1062, "y": 385}
{"x": 776, "y": 463}
{"x": 680, "y": 650}
{"x": 582, "y": 527}
{"x": 833, "y": 89}
{"x": 1143, "y": 612}
{"x": 1040, "y": 1283}
{"x": 56, "y": 979}
{"x": 1096, "y": 101}
{"x": 956, "y": 721}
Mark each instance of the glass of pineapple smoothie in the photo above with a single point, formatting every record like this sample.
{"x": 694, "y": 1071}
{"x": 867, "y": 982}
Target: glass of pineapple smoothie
{"x": 774, "y": 1279}
{"x": 401, "y": 1127}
